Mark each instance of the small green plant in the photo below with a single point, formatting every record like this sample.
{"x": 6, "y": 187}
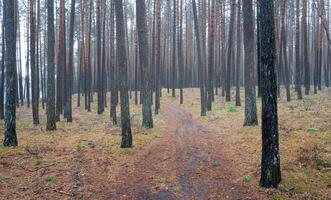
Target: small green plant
{"x": 217, "y": 164}
{"x": 50, "y": 178}
{"x": 39, "y": 163}
{"x": 247, "y": 178}
{"x": 277, "y": 197}
{"x": 311, "y": 130}
{"x": 232, "y": 108}
{"x": 5, "y": 177}
{"x": 164, "y": 180}
{"x": 307, "y": 170}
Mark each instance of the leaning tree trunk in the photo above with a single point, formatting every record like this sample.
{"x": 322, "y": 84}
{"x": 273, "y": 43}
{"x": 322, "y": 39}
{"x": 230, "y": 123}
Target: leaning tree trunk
{"x": 270, "y": 167}
{"x": 10, "y": 138}
{"x": 122, "y": 62}
{"x": 51, "y": 119}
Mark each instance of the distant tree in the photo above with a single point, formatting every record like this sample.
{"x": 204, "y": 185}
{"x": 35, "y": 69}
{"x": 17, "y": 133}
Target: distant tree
{"x": 305, "y": 46}
{"x": 51, "y": 119}
{"x": 143, "y": 58}
{"x": 239, "y": 58}
{"x": 10, "y": 138}
{"x": 203, "y": 111}
{"x": 270, "y": 168}
{"x": 250, "y": 94}
{"x": 297, "y": 52}
{"x": 158, "y": 57}
{"x": 70, "y": 66}
{"x": 61, "y": 63}
{"x": 283, "y": 50}
{"x": 211, "y": 56}
{"x": 230, "y": 49}
{"x": 113, "y": 69}
{"x": 99, "y": 63}
{"x": 34, "y": 70}
{"x": 122, "y": 62}
{"x": 173, "y": 85}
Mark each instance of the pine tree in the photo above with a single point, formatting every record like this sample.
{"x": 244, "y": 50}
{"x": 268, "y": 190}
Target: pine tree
{"x": 10, "y": 138}
{"x": 51, "y": 119}
{"x": 270, "y": 168}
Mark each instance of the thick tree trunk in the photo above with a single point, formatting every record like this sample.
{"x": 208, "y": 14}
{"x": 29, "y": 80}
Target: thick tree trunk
{"x": 158, "y": 57}
{"x": 10, "y": 138}
{"x": 305, "y": 46}
{"x": 270, "y": 168}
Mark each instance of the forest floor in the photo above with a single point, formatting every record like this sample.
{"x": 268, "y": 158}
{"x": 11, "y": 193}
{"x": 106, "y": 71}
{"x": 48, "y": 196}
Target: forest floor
{"x": 183, "y": 157}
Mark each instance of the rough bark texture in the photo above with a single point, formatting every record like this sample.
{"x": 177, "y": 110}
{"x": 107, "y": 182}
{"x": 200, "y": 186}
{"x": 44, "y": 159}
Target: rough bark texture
{"x": 51, "y": 120}
{"x": 270, "y": 166}
{"x": 10, "y": 138}
{"x": 121, "y": 56}
{"x": 143, "y": 58}
{"x": 211, "y": 56}
{"x": 250, "y": 94}
{"x": 158, "y": 57}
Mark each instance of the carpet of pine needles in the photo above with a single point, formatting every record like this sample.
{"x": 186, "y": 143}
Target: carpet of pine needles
{"x": 83, "y": 159}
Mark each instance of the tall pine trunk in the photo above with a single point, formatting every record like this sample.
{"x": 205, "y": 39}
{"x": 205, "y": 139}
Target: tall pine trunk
{"x": 50, "y": 106}
{"x": 250, "y": 94}
{"x": 270, "y": 166}
{"x": 122, "y": 62}
{"x": 143, "y": 58}
{"x": 10, "y": 138}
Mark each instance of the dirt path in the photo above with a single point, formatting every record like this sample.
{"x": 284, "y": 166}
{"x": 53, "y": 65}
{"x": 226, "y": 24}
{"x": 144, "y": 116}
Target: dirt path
{"x": 185, "y": 163}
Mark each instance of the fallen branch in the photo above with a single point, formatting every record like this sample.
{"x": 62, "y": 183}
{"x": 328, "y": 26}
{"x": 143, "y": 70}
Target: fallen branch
{"x": 62, "y": 192}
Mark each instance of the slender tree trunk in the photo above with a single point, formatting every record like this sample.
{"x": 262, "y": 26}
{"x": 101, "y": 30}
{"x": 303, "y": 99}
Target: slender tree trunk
{"x": 51, "y": 119}
{"x": 305, "y": 46}
{"x": 34, "y": 75}
{"x": 297, "y": 52}
{"x": 158, "y": 57}
{"x": 250, "y": 94}
{"x": 71, "y": 62}
{"x": 143, "y": 58}
{"x": 174, "y": 52}
{"x": 121, "y": 56}
{"x": 200, "y": 64}
{"x": 211, "y": 33}
{"x": 238, "y": 64}
{"x": 230, "y": 48}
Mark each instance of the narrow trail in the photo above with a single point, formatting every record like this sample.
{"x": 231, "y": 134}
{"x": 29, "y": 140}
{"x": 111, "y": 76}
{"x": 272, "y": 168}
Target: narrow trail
{"x": 186, "y": 161}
